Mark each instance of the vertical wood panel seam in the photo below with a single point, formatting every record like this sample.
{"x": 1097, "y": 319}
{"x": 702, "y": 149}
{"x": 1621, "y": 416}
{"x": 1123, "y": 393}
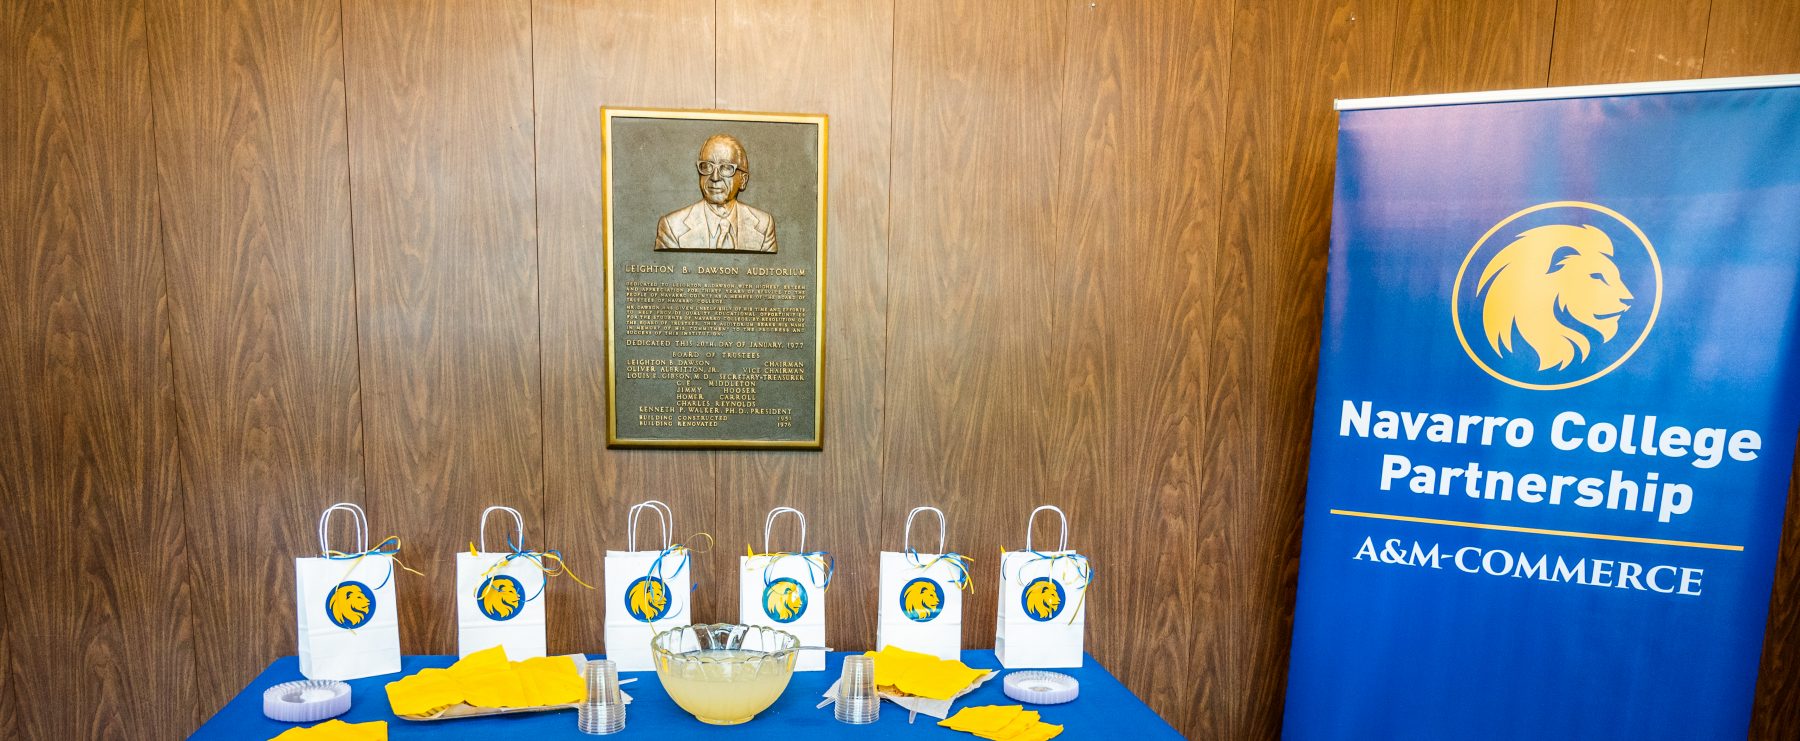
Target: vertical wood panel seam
{"x": 537, "y": 272}
{"x": 715, "y": 104}
{"x": 1238, "y": 691}
{"x": 1706, "y": 35}
{"x": 887, "y": 296}
{"x": 887, "y": 278}
{"x": 10, "y": 715}
{"x": 1058, "y": 225}
{"x": 1550, "y": 62}
{"x": 1222, "y": 156}
{"x": 362, "y": 406}
{"x": 712, "y": 457}
{"x": 168, "y": 353}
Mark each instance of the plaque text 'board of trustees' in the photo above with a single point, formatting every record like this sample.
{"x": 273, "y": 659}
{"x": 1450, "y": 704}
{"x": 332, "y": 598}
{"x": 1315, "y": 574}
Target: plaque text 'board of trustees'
{"x": 715, "y": 278}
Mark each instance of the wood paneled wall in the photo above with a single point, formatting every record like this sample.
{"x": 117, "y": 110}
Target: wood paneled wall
{"x": 260, "y": 257}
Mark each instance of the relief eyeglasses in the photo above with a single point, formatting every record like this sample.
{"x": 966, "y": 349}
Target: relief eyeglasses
{"x": 724, "y": 169}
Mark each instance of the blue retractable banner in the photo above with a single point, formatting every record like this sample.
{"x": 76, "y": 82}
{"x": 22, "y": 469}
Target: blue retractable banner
{"x": 1556, "y": 417}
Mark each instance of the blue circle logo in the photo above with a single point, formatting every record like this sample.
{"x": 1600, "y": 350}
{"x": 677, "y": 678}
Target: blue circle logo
{"x": 784, "y": 600}
{"x": 1043, "y": 599}
{"x": 647, "y": 599}
{"x": 922, "y": 599}
{"x": 1556, "y": 295}
{"x": 350, "y": 605}
{"x": 501, "y": 597}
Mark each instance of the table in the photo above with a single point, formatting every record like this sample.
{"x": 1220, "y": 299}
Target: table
{"x": 1104, "y": 709}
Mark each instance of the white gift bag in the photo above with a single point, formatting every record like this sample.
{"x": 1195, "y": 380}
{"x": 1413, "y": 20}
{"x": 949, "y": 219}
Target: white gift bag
{"x": 786, "y": 591}
{"x": 499, "y": 595}
{"x": 647, "y": 592}
{"x": 921, "y": 596}
{"x": 347, "y": 607}
{"x": 1043, "y": 609}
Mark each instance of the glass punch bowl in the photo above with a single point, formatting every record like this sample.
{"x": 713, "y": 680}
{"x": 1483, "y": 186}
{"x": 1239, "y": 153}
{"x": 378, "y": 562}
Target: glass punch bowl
{"x": 724, "y": 674}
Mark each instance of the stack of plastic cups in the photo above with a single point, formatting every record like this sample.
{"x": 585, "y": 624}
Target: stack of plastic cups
{"x": 856, "y": 699}
{"x": 604, "y": 710}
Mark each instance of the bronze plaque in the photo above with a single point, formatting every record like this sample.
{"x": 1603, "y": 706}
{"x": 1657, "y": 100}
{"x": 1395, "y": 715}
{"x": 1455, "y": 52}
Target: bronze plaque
{"x": 715, "y": 278}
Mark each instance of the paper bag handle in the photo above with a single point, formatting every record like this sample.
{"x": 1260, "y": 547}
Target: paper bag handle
{"x": 769, "y": 524}
{"x": 1061, "y": 546}
{"x": 518, "y": 522}
{"x": 906, "y": 541}
{"x": 357, "y": 516}
{"x": 631, "y": 522}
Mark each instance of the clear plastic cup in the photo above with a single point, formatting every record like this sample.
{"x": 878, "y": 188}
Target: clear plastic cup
{"x": 603, "y": 711}
{"x": 856, "y": 699}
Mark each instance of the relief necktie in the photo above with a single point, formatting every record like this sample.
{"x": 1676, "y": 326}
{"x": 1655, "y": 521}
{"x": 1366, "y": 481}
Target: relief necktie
{"x": 726, "y": 240}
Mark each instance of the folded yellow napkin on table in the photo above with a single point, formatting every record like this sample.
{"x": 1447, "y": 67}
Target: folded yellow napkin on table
{"x": 982, "y": 718}
{"x": 1001, "y": 723}
{"x": 485, "y": 679}
{"x": 922, "y": 675}
{"x": 337, "y": 730}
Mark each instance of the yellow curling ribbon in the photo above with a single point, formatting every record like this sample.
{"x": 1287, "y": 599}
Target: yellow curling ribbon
{"x": 389, "y": 546}
{"x": 537, "y": 558}
{"x": 816, "y": 562}
{"x": 966, "y": 582}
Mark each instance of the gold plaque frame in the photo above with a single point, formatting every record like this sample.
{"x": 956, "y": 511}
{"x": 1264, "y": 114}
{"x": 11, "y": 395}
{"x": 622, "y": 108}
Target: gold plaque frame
{"x": 613, "y": 439}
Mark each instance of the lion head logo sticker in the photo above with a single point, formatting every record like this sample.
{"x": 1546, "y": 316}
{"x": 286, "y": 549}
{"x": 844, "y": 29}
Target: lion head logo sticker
{"x": 1557, "y": 295}
{"x": 350, "y": 605}
{"x": 921, "y": 599}
{"x": 647, "y": 599}
{"x": 784, "y": 600}
{"x": 1043, "y": 599}
{"x": 500, "y": 597}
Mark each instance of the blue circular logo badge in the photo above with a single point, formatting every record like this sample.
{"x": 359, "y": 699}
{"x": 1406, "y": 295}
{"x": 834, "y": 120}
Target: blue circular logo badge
{"x": 1556, "y": 295}
{"x": 350, "y": 605}
{"x": 1043, "y": 599}
{"x": 647, "y": 599}
{"x": 784, "y": 600}
{"x": 501, "y": 597}
{"x": 922, "y": 600}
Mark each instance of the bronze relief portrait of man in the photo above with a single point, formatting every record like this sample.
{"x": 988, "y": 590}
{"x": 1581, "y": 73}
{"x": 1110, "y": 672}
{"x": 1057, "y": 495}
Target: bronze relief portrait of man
{"x": 719, "y": 221}
{"x": 714, "y": 326}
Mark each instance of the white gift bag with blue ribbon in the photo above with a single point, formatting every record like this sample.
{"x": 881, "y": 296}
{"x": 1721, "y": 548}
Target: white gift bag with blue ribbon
{"x": 921, "y": 595}
{"x": 1043, "y": 603}
{"x": 785, "y": 590}
{"x": 647, "y": 591}
{"x": 499, "y": 594}
{"x": 346, "y": 605}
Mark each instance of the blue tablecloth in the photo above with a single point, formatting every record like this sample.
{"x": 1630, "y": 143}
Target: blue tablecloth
{"x": 1105, "y": 709}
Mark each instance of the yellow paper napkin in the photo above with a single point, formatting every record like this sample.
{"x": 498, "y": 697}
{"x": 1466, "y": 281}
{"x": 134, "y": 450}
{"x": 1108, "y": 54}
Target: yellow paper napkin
{"x": 485, "y": 679}
{"x": 1001, "y": 723}
{"x": 922, "y": 675}
{"x": 337, "y": 730}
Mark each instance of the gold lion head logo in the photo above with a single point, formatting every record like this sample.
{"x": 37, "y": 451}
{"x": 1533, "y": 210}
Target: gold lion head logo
{"x": 500, "y": 597}
{"x": 1043, "y": 599}
{"x": 1546, "y": 271}
{"x": 921, "y": 599}
{"x": 784, "y": 600}
{"x": 349, "y": 605}
{"x": 647, "y": 599}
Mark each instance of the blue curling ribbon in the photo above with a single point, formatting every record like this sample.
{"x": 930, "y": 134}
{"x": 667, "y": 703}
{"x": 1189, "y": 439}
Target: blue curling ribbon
{"x": 816, "y": 562}
{"x": 1083, "y": 567}
{"x": 388, "y": 547}
{"x": 656, "y": 568}
{"x": 537, "y": 558}
{"x": 956, "y": 559}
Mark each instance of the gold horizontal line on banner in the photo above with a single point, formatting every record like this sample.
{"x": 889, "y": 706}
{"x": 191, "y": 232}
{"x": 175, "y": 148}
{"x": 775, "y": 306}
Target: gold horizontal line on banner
{"x": 1539, "y": 531}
